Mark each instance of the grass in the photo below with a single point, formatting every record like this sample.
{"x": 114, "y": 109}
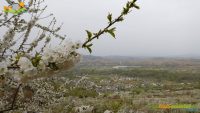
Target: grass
{"x": 82, "y": 92}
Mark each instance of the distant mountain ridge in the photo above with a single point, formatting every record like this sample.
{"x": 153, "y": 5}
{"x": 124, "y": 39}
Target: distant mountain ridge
{"x": 137, "y": 61}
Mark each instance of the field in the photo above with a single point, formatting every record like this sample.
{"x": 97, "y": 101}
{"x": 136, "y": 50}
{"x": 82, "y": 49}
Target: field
{"x": 133, "y": 85}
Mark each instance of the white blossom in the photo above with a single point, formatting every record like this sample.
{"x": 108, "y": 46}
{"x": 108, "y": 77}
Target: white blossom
{"x": 24, "y": 63}
{"x": 3, "y": 67}
{"x": 41, "y": 66}
{"x": 26, "y": 67}
{"x": 60, "y": 53}
{"x": 7, "y": 39}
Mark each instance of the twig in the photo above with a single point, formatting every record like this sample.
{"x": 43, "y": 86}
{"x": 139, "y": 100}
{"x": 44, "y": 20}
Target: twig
{"x": 14, "y": 100}
{"x": 8, "y": 20}
{"x": 103, "y": 31}
{"x": 91, "y": 36}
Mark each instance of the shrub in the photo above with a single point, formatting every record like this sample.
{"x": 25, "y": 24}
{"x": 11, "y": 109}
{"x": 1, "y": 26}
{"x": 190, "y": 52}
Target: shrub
{"x": 82, "y": 92}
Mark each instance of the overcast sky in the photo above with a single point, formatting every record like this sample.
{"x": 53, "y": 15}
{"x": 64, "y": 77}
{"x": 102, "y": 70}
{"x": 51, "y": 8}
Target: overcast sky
{"x": 159, "y": 28}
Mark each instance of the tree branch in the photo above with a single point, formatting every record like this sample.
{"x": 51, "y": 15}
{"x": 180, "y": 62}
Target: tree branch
{"x": 91, "y": 36}
{"x": 14, "y": 100}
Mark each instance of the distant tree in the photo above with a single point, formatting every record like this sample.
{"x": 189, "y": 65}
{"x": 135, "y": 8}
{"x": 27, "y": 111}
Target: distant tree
{"x": 26, "y": 52}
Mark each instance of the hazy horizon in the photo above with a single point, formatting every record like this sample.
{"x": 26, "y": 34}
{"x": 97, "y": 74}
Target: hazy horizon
{"x": 135, "y": 56}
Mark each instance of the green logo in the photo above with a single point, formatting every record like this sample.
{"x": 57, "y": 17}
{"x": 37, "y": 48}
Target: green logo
{"x": 15, "y": 8}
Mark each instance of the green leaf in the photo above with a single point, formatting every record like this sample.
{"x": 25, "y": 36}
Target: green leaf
{"x": 99, "y": 33}
{"x": 111, "y": 32}
{"x": 89, "y": 34}
{"x": 36, "y": 60}
{"x": 109, "y": 17}
{"x": 37, "y": 54}
{"x": 128, "y": 4}
{"x": 17, "y": 57}
{"x": 125, "y": 10}
{"x": 134, "y": 1}
{"x": 113, "y": 29}
{"x": 137, "y": 7}
{"x": 89, "y": 49}
{"x": 120, "y": 19}
{"x": 90, "y": 45}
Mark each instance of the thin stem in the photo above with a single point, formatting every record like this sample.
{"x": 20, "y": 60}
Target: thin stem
{"x": 103, "y": 31}
{"x": 14, "y": 100}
